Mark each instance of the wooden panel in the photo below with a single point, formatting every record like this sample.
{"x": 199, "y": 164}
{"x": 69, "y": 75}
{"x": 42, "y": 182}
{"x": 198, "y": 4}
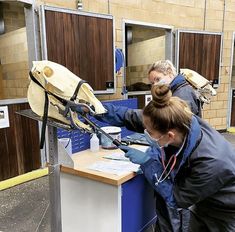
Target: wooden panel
{"x": 233, "y": 110}
{"x": 83, "y": 44}
{"x": 201, "y": 53}
{"x": 19, "y": 144}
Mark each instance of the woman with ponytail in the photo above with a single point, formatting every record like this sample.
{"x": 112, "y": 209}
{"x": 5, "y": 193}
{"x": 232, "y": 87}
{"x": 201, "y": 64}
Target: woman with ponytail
{"x": 189, "y": 165}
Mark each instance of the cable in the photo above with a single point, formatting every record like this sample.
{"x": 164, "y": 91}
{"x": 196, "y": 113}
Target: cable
{"x": 44, "y": 213}
{"x": 204, "y": 24}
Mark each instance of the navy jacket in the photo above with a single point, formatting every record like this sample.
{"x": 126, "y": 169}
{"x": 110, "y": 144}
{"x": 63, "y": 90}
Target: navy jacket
{"x": 203, "y": 182}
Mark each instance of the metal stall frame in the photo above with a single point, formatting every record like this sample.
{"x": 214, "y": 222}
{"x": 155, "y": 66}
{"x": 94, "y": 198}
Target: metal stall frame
{"x": 168, "y": 49}
{"x": 198, "y": 32}
{"x": 42, "y": 23}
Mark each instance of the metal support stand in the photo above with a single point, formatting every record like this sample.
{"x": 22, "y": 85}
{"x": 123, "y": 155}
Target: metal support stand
{"x": 54, "y": 181}
{"x": 55, "y": 159}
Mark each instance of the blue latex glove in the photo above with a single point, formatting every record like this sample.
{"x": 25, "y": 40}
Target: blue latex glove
{"x": 136, "y": 156}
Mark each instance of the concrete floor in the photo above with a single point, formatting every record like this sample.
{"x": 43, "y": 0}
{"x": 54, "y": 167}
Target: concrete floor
{"x": 26, "y": 208}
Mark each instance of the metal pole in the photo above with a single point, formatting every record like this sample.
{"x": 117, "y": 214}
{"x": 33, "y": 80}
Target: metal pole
{"x": 54, "y": 181}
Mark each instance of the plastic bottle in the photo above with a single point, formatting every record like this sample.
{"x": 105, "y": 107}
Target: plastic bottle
{"x": 94, "y": 143}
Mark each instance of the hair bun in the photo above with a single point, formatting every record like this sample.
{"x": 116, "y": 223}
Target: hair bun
{"x": 161, "y": 95}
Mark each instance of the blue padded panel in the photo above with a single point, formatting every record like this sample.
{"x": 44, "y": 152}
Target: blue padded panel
{"x": 138, "y": 205}
{"x": 80, "y": 141}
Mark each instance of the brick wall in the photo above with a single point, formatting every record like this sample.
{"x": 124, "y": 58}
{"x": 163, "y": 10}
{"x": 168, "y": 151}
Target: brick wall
{"x": 13, "y": 52}
{"x": 14, "y": 63}
{"x": 141, "y": 56}
{"x": 146, "y": 52}
{"x": 13, "y": 16}
{"x": 59, "y": 3}
{"x": 137, "y": 73}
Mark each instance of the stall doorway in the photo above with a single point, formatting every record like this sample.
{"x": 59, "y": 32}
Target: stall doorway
{"x": 144, "y": 44}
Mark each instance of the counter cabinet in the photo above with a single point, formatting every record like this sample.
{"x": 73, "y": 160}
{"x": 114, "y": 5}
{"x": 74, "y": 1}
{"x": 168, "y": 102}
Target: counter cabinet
{"x": 95, "y": 201}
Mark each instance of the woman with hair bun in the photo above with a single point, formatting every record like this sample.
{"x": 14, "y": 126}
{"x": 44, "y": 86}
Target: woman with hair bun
{"x": 189, "y": 165}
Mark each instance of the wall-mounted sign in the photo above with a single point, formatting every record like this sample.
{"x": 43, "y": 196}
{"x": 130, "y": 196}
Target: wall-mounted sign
{"x": 4, "y": 117}
{"x": 148, "y": 98}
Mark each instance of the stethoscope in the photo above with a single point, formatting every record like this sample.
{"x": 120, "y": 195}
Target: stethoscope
{"x": 165, "y": 166}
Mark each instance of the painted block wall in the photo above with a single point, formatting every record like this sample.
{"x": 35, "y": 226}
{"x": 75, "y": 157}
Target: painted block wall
{"x": 137, "y": 73}
{"x": 13, "y": 16}
{"x": 146, "y": 52}
{"x": 141, "y": 55}
{"x": 14, "y": 63}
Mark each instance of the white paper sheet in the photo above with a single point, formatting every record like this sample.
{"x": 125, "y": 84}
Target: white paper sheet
{"x": 114, "y": 167}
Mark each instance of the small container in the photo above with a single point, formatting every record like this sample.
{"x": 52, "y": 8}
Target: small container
{"x": 115, "y": 133}
{"x": 67, "y": 143}
{"x": 94, "y": 143}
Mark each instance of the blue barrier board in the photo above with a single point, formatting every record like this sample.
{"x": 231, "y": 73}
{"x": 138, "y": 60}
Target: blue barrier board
{"x": 81, "y": 141}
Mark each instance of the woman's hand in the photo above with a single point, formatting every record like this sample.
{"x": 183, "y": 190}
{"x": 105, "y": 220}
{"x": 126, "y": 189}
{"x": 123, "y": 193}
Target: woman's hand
{"x": 136, "y": 156}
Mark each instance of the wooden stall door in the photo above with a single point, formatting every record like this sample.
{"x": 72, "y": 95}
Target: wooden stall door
{"x": 201, "y": 53}
{"x": 19, "y": 144}
{"x": 83, "y": 44}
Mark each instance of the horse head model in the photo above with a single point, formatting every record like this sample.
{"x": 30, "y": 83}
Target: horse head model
{"x": 202, "y": 86}
{"x": 56, "y": 92}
